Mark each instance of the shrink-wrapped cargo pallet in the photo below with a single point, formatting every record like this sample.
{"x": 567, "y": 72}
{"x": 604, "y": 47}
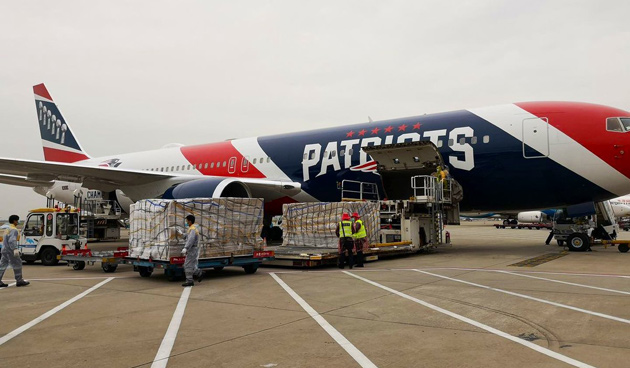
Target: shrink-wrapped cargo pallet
{"x": 313, "y": 224}
{"x": 226, "y": 226}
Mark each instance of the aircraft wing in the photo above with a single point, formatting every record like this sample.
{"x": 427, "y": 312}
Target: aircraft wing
{"x": 32, "y": 173}
{"x": 21, "y": 181}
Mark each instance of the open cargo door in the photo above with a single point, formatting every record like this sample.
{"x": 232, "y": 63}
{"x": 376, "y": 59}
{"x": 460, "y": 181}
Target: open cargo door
{"x": 399, "y": 162}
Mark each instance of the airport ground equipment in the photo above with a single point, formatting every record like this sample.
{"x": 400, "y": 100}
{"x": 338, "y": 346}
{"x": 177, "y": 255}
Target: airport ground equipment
{"x": 395, "y": 227}
{"x": 229, "y": 234}
{"x": 622, "y": 245}
{"x": 101, "y": 219}
{"x": 582, "y": 225}
{"x": 173, "y": 268}
{"x": 47, "y": 231}
{"x": 79, "y": 258}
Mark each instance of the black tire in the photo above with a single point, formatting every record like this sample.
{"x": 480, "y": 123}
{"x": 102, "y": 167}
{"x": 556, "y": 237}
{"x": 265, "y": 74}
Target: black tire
{"x": 219, "y": 268}
{"x": 623, "y": 248}
{"x": 578, "y": 242}
{"x": 109, "y": 267}
{"x": 250, "y": 268}
{"x": 49, "y": 256}
{"x": 145, "y": 271}
{"x": 78, "y": 266}
{"x": 560, "y": 243}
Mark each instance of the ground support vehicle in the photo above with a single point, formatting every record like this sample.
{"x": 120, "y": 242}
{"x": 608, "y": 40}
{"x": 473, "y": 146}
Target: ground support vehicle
{"x": 622, "y": 245}
{"x": 537, "y": 226}
{"x": 47, "y": 231}
{"x": 174, "y": 268}
{"x": 109, "y": 260}
{"x": 402, "y": 226}
{"x": 583, "y": 225}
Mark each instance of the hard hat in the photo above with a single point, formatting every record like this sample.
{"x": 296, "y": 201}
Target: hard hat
{"x": 345, "y": 217}
{"x": 356, "y": 215}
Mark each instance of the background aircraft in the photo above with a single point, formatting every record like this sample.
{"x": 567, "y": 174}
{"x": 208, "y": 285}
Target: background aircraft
{"x": 511, "y": 157}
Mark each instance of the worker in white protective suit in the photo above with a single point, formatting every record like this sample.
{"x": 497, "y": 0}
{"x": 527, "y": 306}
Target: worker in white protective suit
{"x": 191, "y": 251}
{"x": 11, "y": 253}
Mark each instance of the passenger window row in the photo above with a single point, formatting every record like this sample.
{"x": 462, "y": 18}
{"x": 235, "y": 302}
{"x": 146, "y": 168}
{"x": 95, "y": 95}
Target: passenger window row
{"x": 205, "y": 165}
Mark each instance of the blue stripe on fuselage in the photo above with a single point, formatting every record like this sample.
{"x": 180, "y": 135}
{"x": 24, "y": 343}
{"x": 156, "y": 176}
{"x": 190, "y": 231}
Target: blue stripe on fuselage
{"x": 495, "y": 177}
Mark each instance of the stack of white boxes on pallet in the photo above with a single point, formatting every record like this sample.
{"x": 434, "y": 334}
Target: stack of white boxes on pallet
{"x": 227, "y": 226}
{"x": 314, "y": 224}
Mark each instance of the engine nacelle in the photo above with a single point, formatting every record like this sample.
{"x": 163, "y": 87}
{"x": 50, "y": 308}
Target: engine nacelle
{"x": 208, "y": 188}
{"x": 532, "y": 217}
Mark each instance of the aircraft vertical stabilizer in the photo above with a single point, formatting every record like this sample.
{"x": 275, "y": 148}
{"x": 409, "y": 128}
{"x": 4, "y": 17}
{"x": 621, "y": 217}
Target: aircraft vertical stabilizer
{"x": 58, "y": 142}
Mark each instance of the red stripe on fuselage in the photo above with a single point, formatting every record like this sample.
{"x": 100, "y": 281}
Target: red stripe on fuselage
{"x": 214, "y": 159}
{"x": 52, "y": 154}
{"x": 41, "y": 90}
{"x": 586, "y": 124}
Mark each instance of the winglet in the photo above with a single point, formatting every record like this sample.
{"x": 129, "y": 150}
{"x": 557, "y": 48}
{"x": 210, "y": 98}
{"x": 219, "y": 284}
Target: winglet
{"x": 58, "y": 140}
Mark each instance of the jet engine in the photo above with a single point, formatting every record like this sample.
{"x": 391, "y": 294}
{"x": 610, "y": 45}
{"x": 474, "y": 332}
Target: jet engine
{"x": 208, "y": 187}
{"x": 532, "y": 217}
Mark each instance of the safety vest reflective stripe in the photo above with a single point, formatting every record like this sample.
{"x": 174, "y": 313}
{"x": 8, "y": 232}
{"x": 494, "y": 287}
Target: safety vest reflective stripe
{"x": 345, "y": 229}
{"x": 361, "y": 233}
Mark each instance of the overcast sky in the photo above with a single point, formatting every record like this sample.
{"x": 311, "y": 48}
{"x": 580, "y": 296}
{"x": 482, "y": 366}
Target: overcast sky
{"x": 137, "y": 75}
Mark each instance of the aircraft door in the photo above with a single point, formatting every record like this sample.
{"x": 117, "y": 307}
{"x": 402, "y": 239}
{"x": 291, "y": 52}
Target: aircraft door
{"x": 536, "y": 138}
{"x": 232, "y": 165}
{"x": 245, "y": 164}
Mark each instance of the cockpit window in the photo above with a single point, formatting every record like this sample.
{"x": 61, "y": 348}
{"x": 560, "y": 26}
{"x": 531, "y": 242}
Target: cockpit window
{"x": 626, "y": 123}
{"x": 614, "y": 125}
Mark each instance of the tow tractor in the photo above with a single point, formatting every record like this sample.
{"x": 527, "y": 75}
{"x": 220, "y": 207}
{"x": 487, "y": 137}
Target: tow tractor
{"x": 47, "y": 232}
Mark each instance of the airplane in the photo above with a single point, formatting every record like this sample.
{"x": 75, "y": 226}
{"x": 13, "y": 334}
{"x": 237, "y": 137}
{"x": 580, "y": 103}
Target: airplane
{"x": 511, "y": 157}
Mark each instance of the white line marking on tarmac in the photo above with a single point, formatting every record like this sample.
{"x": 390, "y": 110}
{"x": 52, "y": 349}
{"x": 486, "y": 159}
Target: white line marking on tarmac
{"x": 566, "y": 283}
{"x": 355, "y": 353}
{"x": 607, "y": 316}
{"x": 82, "y": 278}
{"x": 540, "y": 349}
{"x": 11, "y": 284}
{"x": 461, "y": 269}
{"x": 161, "y": 358}
{"x": 534, "y": 272}
{"x": 37, "y": 320}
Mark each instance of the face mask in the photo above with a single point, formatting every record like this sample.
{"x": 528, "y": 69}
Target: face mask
{"x": 187, "y": 225}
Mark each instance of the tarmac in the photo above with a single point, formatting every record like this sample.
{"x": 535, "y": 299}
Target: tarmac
{"x": 494, "y": 298}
